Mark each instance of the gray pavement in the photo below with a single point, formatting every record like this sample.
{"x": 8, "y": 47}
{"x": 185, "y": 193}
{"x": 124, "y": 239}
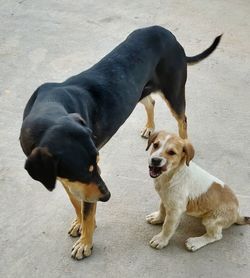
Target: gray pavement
{"x": 51, "y": 40}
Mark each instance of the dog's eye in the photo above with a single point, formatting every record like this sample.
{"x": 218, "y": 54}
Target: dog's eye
{"x": 156, "y": 145}
{"x": 171, "y": 152}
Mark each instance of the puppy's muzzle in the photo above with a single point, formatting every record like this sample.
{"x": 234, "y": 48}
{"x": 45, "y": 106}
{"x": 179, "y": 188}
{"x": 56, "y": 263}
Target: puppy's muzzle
{"x": 157, "y": 161}
{"x": 157, "y": 165}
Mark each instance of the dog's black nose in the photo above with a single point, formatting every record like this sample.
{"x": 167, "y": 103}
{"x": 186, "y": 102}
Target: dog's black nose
{"x": 155, "y": 161}
{"x": 105, "y": 198}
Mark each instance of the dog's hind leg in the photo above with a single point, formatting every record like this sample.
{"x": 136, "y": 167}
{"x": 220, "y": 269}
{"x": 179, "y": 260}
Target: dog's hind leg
{"x": 148, "y": 103}
{"x": 173, "y": 93}
{"x": 172, "y": 80}
{"x": 177, "y": 109}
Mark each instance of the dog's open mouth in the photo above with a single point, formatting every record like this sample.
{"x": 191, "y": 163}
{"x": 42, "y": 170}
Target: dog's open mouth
{"x": 155, "y": 172}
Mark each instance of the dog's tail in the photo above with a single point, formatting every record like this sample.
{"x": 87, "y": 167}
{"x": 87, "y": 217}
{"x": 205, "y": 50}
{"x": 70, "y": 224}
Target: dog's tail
{"x": 196, "y": 59}
{"x": 242, "y": 220}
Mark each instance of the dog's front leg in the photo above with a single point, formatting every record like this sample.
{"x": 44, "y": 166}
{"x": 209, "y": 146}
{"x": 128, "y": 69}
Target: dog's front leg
{"x": 83, "y": 246}
{"x": 169, "y": 226}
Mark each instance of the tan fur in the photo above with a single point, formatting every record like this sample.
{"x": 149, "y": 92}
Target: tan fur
{"x": 75, "y": 227}
{"x": 84, "y": 224}
{"x": 182, "y": 148}
{"x": 214, "y": 203}
{"x": 83, "y": 246}
{"x": 88, "y": 227}
{"x": 189, "y": 151}
{"x": 191, "y": 190}
{"x": 82, "y": 191}
{"x": 148, "y": 103}
{"x": 91, "y": 168}
{"x": 181, "y": 119}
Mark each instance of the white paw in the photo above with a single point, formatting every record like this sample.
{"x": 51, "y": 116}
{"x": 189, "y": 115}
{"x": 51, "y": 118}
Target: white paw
{"x": 145, "y": 133}
{"x": 81, "y": 250}
{"x": 193, "y": 243}
{"x": 154, "y": 218}
{"x": 159, "y": 241}
{"x": 75, "y": 229}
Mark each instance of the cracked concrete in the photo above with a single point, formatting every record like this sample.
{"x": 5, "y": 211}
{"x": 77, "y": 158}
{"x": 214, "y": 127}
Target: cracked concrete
{"x": 51, "y": 40}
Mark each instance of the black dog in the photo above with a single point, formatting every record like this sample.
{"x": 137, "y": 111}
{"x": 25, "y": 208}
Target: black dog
{"x": 65, "y": 124}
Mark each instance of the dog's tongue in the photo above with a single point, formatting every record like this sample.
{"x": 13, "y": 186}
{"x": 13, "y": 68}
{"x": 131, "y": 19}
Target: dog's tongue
{"x": 154, "y": 172}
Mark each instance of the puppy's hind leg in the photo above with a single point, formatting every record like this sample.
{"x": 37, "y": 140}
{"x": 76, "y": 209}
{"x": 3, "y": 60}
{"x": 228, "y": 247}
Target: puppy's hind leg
{"x": 214, "y": 233}
{"x": 148, "y": 103}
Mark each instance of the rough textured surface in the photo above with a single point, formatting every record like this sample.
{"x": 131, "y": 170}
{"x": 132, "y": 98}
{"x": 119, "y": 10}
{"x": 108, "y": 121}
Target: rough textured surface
{"x": 51, "y": 40}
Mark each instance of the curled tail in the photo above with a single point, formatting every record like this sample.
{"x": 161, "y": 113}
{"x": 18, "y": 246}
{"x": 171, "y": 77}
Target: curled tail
{"x": 204, "y": 54}
{"x": 243, "y": 220}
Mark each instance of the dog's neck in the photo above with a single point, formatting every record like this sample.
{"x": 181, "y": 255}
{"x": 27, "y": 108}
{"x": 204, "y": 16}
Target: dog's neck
{"x": 173, "y": 177}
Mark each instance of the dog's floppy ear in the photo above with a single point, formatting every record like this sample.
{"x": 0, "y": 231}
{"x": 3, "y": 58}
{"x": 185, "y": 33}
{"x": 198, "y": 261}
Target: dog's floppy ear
{"x": 41, "y": 166}
{"x": 188, "y": 149}
{"x": 151, "y": 139}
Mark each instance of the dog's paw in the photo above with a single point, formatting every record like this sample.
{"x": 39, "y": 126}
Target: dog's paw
{"x": 159, "y": 241}
{"x": 81, "y": 250}
{"x": 145, "y": 133}
{"x": 194, "y": 243}
{"x": 75, "y": 229}
{"x": 155, "y": 218}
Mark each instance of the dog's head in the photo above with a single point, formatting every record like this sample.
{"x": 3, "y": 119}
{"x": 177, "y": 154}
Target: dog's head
{"x": 67, "y": 151}
{"x": 168, "y": 153}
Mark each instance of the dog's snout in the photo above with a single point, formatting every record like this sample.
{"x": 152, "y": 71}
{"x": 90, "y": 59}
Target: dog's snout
{"x": 105, "y": 197}
{"x": 156, "y": 161}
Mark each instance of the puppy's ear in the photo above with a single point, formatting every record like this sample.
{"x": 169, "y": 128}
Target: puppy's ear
{"x": 41, "y": 166}
{"x": 188, "y": 149}
{"x": 151, "y": 139}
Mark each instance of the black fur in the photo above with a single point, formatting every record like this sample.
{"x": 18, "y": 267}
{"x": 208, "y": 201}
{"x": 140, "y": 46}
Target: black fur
{"x": 87, "y": 207}
{"x": 75, "y": 118}
{"x": 42, "y": 167}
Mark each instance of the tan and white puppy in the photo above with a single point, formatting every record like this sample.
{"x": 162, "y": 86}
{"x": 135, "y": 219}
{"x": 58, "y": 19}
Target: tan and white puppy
{"x": 185, "y": 187}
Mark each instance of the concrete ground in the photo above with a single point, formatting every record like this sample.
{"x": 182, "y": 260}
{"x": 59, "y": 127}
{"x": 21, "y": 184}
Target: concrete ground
{"x": 51, "y": 40}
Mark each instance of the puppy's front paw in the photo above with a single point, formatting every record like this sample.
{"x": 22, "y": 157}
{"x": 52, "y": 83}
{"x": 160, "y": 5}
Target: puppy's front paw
{"x": 145, "y": 133}
{"x": 159, "y": 241}
{"x": 75, "y": 229}
{"x": 81, "y": 250}
{"x": 155, "y": 218}
{"x": 194, "y": 243}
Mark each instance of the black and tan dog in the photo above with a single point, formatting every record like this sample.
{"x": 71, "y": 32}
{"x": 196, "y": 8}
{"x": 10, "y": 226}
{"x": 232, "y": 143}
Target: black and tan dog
{"x": 65, "y": 124}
